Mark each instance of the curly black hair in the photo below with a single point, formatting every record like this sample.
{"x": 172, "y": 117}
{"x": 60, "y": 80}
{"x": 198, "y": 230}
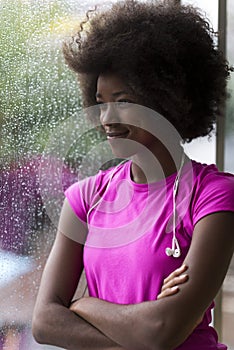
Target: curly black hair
{"x": 167, "y": 54}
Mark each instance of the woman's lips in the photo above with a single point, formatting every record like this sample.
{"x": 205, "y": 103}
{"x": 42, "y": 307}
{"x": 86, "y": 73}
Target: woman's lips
{"x": 116, "y": 135}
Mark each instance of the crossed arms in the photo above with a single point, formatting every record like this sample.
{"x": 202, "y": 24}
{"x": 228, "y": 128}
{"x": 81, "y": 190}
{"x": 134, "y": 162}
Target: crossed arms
{"x": 163, "y": 324}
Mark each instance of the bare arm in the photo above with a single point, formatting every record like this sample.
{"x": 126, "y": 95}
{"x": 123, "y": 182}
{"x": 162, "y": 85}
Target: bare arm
{"x": 53, "y": 322}
{"x": 155, "y": 324}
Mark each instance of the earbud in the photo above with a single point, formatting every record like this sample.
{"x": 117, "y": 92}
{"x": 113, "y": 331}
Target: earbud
{"x": 175, "y": 250}
{"x": 176, "y": 253}
{"x": 169, "y": 251}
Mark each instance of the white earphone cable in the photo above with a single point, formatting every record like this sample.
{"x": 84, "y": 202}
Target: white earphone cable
{"x": 108, "y": 185}
{"x": 175, "y": 249}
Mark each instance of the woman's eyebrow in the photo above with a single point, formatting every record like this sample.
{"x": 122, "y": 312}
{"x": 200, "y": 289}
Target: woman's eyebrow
{"x": 114, "y": 94}
{"x": 118, "y": 93}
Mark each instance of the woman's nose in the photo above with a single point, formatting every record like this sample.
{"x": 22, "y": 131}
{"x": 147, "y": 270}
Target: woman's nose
{"x": 109, "y": 113}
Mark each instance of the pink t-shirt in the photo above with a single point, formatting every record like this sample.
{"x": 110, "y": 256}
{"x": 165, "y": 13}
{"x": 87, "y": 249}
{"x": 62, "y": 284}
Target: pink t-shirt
{"x": 130, "y": 226}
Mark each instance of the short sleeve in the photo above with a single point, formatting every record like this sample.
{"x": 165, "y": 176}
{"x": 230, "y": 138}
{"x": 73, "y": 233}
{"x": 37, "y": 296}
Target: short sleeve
{"x": 214, "y": 193}
{"x": 74, "y": 195}
{"x": 83, "y": 194}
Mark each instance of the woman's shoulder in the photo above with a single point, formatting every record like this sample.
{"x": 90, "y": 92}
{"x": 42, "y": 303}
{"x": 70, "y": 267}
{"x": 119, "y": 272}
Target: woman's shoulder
{"x": 209, "y": 174}
{"x": 99, "y": 181}
{"x": 213, "y": 190}
{"x": 83, "y": 193}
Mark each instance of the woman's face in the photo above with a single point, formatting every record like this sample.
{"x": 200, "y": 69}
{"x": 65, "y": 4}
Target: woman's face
{"x": 123, "y": 120}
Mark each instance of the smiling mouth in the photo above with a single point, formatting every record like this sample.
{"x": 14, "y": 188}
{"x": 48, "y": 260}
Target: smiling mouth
{"x": 116, "y": 135}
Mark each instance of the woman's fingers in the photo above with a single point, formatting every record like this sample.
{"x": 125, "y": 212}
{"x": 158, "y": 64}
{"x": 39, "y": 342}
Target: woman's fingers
{"x": 168, "y": 292}
{"x": 170, "y": 284}
{"x": 174, "y": 281}
{"x": 171, "y": 287}
{"x": 176, "y": 273}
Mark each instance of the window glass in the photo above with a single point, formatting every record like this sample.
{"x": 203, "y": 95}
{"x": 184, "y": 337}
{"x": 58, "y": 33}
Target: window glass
{"x": 228, "y": 286}
{"x": 229, "y": 141}
{"x": 37, "y": 93}
{"x": 211, "y": 8}
{"x": 203, "y": 149}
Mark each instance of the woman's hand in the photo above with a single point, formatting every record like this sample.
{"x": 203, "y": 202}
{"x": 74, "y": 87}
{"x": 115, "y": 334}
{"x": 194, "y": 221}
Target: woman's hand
{"x": 172, "y": 282}
{"x": 170, "y": 285}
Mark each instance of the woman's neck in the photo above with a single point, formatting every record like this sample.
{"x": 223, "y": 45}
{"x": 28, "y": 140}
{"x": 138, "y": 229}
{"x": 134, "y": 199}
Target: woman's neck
{"x": 148, "y": 167}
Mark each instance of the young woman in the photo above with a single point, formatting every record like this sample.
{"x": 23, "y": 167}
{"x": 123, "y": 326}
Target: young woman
{"x": 158, "y": 228}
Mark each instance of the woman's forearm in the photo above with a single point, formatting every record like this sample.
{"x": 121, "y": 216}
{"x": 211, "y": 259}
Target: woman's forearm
{"x": 121, "y": 323}
{"x": 59, "y": 326}
{"x": 89, "y": 307}
{"x": 134, "y": 326}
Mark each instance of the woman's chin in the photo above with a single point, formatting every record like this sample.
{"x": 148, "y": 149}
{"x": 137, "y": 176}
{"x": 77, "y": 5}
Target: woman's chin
{"x": 123, "y": 148}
